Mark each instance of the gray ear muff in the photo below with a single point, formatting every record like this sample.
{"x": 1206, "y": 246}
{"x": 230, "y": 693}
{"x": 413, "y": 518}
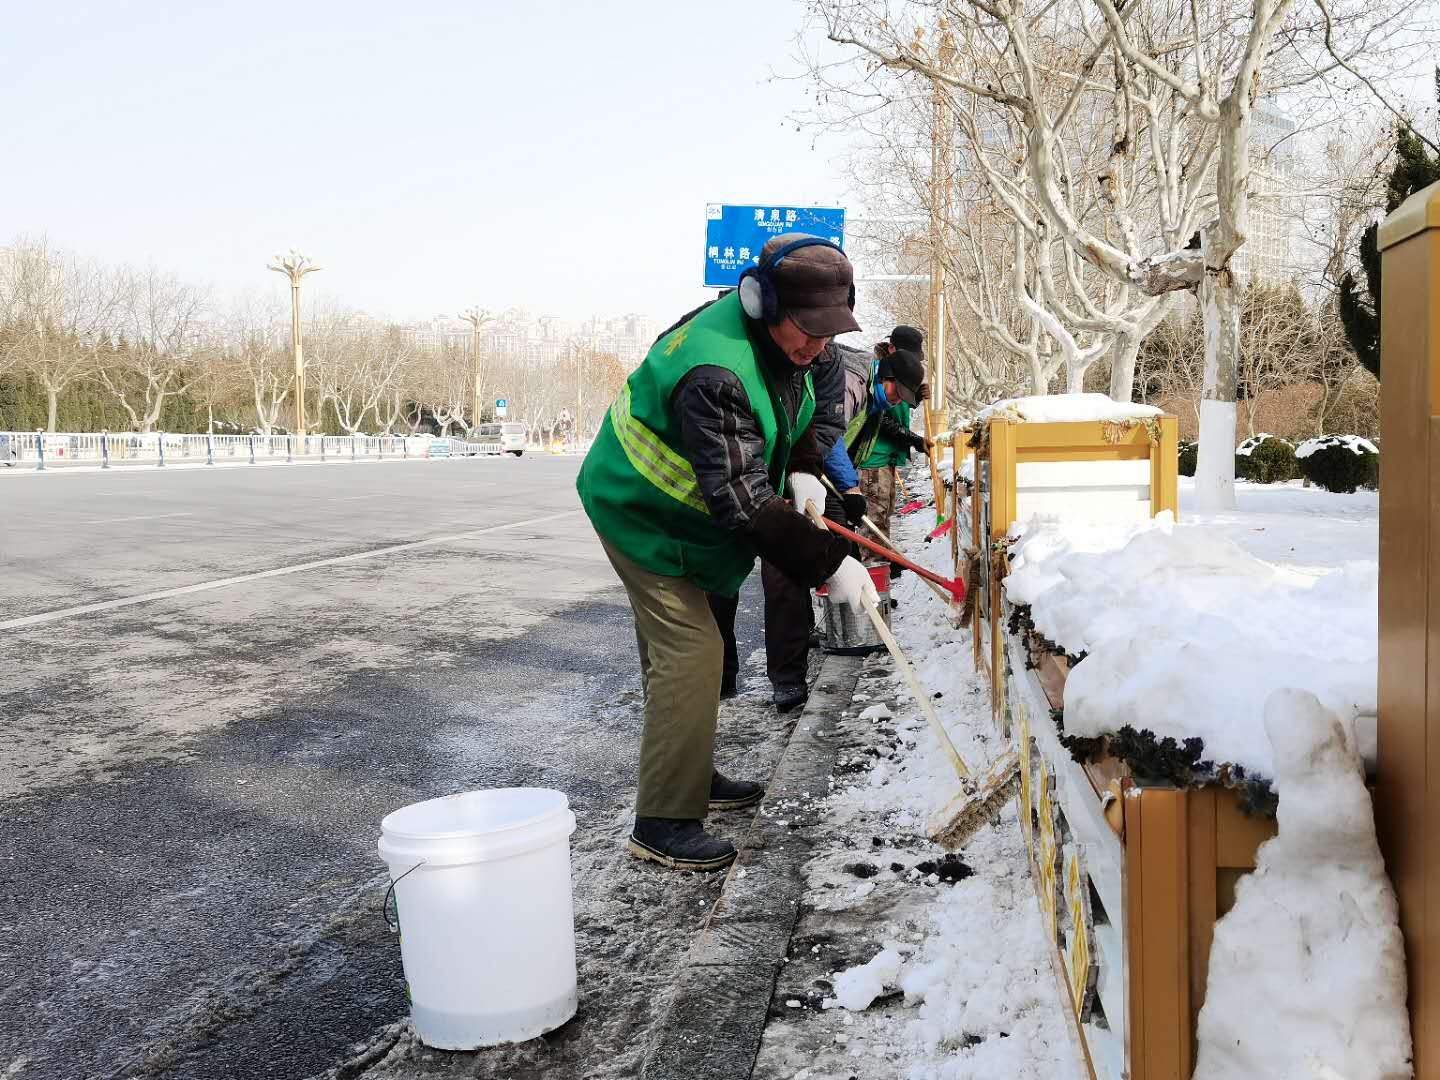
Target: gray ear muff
{"x": 752, "y": 296}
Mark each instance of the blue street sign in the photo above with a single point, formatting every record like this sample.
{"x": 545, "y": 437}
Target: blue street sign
{"x": 501, "y": 402}
{"x": 734, "y": 235}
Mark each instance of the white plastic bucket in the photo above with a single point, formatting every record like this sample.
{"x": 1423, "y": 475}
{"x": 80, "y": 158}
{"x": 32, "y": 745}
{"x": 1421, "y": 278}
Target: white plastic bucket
{"x": 487, "y": 930}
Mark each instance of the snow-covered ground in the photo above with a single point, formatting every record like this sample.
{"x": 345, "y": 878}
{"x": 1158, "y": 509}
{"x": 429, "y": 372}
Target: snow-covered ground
{"x": 912, "y": 964}
{"x": 945, "y": 974}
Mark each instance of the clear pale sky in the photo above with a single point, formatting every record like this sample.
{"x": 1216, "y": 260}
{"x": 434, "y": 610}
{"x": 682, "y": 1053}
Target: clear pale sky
{"x": 432, "y": 154}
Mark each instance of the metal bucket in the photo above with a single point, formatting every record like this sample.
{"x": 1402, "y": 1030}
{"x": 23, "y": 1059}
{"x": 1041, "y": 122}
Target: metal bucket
{"x": 847, "y": 630}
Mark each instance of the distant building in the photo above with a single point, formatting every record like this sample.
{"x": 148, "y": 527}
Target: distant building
{"x": 1268, "y": 252}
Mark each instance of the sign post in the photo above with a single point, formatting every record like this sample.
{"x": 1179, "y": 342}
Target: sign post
{"x": 734, "y": 235}
{"x": 502, "y": 407}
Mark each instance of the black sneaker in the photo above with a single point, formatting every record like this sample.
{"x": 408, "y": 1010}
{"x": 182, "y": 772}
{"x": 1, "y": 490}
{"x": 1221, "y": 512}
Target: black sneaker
{"x": 679, "y": 845}
{"x": 789, "y": 696}
{"x": 727, "y": 794}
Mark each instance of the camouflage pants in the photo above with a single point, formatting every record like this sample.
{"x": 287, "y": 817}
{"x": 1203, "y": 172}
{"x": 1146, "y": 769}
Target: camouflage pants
{"x": 878, "y": 486}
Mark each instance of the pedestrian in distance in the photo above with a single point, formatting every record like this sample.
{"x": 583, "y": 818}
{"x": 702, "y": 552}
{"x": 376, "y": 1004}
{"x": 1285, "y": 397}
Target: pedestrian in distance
{"x": 683, "y": 485}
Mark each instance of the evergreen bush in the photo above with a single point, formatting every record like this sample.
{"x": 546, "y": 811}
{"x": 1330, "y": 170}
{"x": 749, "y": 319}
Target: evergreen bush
{"x": 1266, "y": 459}
{"x": 1340, "y": 463}
{"x": 1189, "y": 454}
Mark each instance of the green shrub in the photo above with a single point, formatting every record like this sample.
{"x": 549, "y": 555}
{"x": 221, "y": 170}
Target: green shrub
{"x": 1266, "y": 459}
{"x": 1189, "y": 453}
{"x": 1340, "y": 463}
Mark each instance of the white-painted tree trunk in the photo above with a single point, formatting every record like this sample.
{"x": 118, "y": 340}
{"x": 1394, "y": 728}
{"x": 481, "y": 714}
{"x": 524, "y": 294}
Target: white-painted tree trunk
{"x": 1215, "y": 466}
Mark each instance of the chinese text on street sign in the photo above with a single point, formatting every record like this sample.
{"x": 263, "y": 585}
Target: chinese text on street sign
{"x": 734, "y": 235}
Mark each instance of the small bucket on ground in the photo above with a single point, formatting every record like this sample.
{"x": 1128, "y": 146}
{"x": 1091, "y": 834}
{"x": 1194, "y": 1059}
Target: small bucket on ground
{"x": 845, "y": 629}
{"x": 487, "y": 928}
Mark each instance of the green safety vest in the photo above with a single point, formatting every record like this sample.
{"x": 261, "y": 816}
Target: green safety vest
{"x": 864, "y": 426}
{"x": 637, "y": 486}
{"x": 887, "y": 452}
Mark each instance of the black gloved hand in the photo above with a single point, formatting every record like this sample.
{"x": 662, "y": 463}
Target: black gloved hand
{"x": 855, "y": 506}
{"x": 800, "y": 551}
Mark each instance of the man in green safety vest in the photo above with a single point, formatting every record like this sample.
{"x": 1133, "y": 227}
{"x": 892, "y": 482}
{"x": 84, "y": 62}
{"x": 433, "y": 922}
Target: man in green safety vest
{"x": 879, "y": 451}
{"x": 684, "y": 485}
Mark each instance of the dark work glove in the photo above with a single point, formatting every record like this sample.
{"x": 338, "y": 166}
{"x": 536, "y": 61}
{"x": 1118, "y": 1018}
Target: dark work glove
{"x": 855, "y": 507}
{"x": 800, "y": 551}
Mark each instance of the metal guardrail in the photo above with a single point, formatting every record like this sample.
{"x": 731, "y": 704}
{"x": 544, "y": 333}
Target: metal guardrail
{"x": 44, "y": 449}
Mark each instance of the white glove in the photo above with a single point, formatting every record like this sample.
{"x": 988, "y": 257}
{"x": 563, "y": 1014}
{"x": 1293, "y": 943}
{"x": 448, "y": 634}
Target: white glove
{"x": 805, "y": 486}
{"x": 850, "y": 582}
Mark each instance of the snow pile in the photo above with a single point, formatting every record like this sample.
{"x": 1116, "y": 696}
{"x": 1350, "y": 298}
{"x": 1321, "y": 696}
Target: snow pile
{"x": 1246, "y": 448}
{"x": 1307, "y": 972}
{"x": 857, "y": 987}
{"x": 1067, "y": 408}
{"x": 1354, "y": 443}
{"x": 1188, "y": 635}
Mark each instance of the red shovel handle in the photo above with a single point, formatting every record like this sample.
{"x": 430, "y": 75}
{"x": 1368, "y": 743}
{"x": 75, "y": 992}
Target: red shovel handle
{"x": 955, "y": 588}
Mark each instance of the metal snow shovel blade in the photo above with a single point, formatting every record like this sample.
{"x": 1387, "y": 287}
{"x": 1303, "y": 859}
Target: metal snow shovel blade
{"x": 979, "y": 800}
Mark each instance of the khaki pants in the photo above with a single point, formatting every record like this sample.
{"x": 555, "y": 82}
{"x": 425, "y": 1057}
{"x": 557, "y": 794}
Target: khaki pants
{"x": 680, "y": 662}
{"x": 878, "y": 486}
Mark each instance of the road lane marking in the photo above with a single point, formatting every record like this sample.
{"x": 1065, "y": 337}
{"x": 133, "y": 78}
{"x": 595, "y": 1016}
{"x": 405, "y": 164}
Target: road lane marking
{"x": 279, "y": 571}
{"x": 138, "y": 517}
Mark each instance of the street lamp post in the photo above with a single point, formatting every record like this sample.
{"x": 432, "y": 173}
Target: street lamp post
{"x": 477, "y": 318}
{"x": 941, "y": 149}
{"x": 295, "y": 266}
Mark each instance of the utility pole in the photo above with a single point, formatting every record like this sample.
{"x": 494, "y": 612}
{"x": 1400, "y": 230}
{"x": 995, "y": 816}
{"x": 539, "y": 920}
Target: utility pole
{"x": 941, "y": 142}
{"x": 580, "y": 396}
{"x": 295, "y": 266}
{"x": 477, "y": 318}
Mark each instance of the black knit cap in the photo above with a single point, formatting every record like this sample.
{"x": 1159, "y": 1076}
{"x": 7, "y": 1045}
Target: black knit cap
{"x": 908, "y": 337}
{"x": 908, "y": 371}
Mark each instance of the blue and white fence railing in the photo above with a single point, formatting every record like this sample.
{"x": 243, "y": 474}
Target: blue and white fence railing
{"x": 44, "y": 449}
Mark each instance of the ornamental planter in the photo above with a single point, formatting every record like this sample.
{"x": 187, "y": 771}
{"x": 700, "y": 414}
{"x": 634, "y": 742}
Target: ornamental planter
{"x": 1131, "y": 874}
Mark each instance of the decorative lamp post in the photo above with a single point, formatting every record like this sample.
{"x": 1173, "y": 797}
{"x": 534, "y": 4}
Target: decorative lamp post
{"x": 295, "y": 266}
{"x": 476, "y": 317}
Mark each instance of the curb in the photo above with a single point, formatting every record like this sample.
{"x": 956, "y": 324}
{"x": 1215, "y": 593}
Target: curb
{"x": 714, "y": 1022}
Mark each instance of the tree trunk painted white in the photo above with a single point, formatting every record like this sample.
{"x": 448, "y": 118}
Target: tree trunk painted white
{"x": 1215, "y": 467}
{"x": 1124, "y": 352}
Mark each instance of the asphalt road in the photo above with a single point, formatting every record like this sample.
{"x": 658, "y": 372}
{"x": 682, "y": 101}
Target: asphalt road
{"x": 192, "y": 783}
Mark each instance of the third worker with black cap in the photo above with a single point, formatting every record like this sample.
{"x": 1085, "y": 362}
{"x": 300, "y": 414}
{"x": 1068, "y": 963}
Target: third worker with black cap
{"x": 878, "y": 436}
{"x": 896, "y": 440}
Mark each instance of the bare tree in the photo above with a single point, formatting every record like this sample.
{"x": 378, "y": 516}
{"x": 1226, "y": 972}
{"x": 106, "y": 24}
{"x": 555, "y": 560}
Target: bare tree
{"x": 160, "y": 320}
{"x": 1179, "y": 83}
{"x": 60, "y": 310}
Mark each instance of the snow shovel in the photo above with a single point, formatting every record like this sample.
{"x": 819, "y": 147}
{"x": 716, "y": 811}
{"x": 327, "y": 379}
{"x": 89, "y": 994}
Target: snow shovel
{"x": 979, "y": 800}
{"x": 948, "y": 597}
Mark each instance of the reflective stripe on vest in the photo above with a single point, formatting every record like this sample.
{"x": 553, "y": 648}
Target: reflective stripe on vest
{"x": 652, "y": 459}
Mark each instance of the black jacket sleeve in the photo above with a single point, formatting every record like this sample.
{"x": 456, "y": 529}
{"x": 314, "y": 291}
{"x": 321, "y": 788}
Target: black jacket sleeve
{"x": 827, "y": 375}
{"x": 891, "y": 429}
{"x": 723, "y": 443}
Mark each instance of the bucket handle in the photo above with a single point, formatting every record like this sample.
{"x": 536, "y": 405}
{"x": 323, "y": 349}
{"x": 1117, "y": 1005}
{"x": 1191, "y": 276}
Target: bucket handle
{"x": 389, "y": 894}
